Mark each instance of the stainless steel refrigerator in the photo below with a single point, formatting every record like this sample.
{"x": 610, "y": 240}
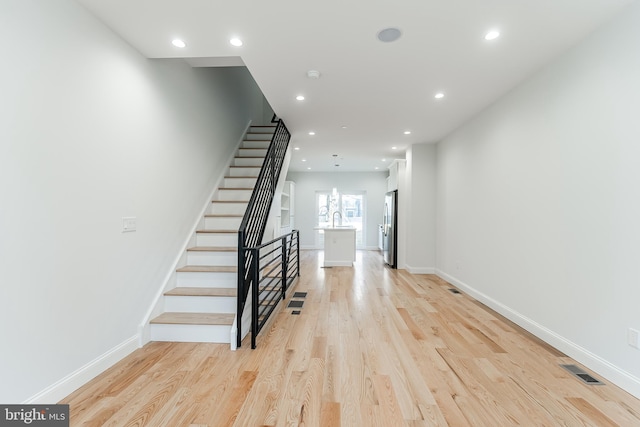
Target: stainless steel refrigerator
{"x": 390, "y": 229}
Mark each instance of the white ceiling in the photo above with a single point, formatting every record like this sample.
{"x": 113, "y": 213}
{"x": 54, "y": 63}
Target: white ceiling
{"x": 377, "y": 90}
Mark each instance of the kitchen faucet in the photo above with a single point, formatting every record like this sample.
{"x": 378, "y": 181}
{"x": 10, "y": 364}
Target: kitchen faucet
{"x": 333, "y": 223}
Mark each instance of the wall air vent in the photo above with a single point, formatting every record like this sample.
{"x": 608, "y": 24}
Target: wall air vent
{"x": 582, "y": 375}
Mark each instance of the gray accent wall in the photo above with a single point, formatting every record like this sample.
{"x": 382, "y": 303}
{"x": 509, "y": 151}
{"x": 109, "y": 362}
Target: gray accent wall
{"x": 90, "y": 132}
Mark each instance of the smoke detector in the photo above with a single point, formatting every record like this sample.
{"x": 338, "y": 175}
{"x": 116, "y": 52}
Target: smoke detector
{"x": 313, "y": 74}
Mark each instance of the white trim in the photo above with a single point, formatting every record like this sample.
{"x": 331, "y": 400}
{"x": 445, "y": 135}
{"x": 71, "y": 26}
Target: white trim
{"x": 144, "y": 328}
{"x": 338, "y": 264}
{"x": 67, "y": 385}
{"x": 606, "y": 369}
{"x": 421, "y": 270}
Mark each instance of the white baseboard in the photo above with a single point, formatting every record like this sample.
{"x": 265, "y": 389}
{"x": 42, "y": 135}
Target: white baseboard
{"x": 602, "y": 367}
{"x": 67, "y": 385}
{"x": 420, "y": 270}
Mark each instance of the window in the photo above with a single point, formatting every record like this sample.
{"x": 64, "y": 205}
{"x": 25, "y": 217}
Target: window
{"x": 342, "y": 209}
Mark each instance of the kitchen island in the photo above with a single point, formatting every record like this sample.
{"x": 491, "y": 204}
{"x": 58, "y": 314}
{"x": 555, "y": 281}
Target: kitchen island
{"x": 339, "y": 246}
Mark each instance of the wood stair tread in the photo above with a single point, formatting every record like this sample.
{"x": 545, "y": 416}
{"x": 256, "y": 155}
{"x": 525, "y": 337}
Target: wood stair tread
{"x": 202, "y": 292}
{"x": 194, "y": 319}
{"x": 246, "y": 202}
{"x": 213, "y": 249}
{"x": 207, "y": 269}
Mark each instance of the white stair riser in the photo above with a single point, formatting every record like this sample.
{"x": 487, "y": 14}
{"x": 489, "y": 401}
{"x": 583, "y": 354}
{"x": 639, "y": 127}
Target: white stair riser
{"x": 248, "y": 161}
{"x": 256, "y": 143}
{"x": 206, "y": 280}
{"x": 222, "y": 223}
{"x": 265, "y": 129}
{"x": 245, "y": 171}
{"x": 252, "y": 152}
{"x": 240, "y": 182}
{"x": 228, "y": 208}
{"x": 259, "y": 137}
{"x": 216, "y": 239}
{"x": 190, "y": 333}
{"x": 198, "y": 304}
{"x": 212, "y": 258}
{"x": 228, "y": 195}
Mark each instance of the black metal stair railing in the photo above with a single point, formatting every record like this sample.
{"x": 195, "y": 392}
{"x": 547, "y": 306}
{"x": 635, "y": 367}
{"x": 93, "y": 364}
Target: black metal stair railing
{"x": 254, "y": 222}
{"x": 274, "y": 266}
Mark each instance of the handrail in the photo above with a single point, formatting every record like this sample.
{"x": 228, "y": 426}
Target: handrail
{"x": 272, "y": 271}
{"x": 254, "y": 222}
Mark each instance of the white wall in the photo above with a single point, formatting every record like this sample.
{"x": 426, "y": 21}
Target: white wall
{"x": 538, "y": 202}
{"x": 307, "y": 183}
{"x": 90, "y": 131}
{"x": 419, "y": 201}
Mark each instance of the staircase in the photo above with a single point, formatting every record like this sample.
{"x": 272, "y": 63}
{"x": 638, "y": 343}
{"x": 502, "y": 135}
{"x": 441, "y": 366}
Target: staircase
{"x": 202, "y": 306}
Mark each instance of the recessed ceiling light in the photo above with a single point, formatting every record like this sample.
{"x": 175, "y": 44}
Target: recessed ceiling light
{"x": 300, "y": 98}
{"x": 235, "y": 42}
{"x": 308, "y": 169}
{"x": 296, "y": 148}
{"x": 178, "y": 43}
{"x": 492, "y": 35}
{"x": 313, "y": 74}
{"x": 384, "y": 160}
{"x": 394, "y": 148}
{"x": 312, "y": 133}
{"x": 343, "y": 127}
{"x": 439, "y": 95}
{"x": 407, "y": 132}
{"x": 389, "y": 35}
{"x": 376, "y": 168}
{"x": 304, "y": 160}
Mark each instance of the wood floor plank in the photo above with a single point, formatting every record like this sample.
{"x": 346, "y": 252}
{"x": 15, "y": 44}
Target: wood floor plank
{"x": 371, "y": 346}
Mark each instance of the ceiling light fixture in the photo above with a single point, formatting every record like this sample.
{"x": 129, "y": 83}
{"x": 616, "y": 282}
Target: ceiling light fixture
{"x": 394, "y": 148}
{"x": 178, "y": 43}
{"x": 296, "y": 148}
{"x": 439, "y": 95}
{"x": 236, "y": 42}
{"x": 304, "y": 160}
{"x": 300, "y": 98}
{"x": 308, "y": 169}
{"x": 407, "y": 132}
{"x": 313, "y": 74}
{"x": 492, "y": 35}
{"x": 312, "y": 133}
{"x": 389, "y": 35}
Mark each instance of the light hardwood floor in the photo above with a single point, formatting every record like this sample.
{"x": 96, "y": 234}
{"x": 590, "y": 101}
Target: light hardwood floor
{"x": 371, "y": 347}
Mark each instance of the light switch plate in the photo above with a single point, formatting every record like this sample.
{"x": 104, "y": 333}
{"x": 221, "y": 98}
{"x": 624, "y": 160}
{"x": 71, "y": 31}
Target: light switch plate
{"x": 632, "y": 338}
{"x": 129, "y": 224}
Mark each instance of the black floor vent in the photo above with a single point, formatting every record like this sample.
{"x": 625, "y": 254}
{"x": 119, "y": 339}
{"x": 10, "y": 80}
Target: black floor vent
{"x": 295, "y": 312}
{"x": 454, "y": 291}
{"x": 582, "y": 375}
{"x": 299, "y": 295}
{"x": 295, "y": 304}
